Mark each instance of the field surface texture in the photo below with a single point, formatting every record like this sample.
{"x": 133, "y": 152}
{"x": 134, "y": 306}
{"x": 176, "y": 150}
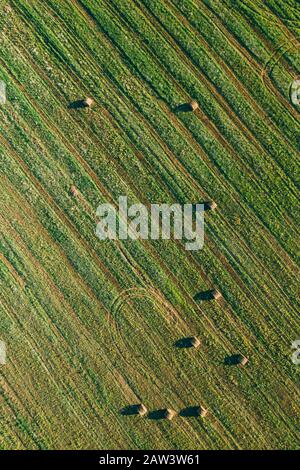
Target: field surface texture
{"x": 92, "y": 327}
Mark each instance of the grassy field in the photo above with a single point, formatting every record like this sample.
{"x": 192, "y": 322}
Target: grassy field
{"x": 91, "y": 326}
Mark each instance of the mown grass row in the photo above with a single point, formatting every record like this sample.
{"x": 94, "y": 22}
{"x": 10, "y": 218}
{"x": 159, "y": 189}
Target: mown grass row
{"x": 245, "y": 70}
{"x": 32, "y": 247}
{"x": 218, "y": 397}
{"x": 189, "y": 42}
{"x": 271, "y": 29}
{"x": 37, "y": 288}
{"x": 61, "y": 388}
{"x": 241, "y": 144}
{"x": 254, "y": 42}
{"x": 47, "y": 167}
{"x": 46, "y": 301}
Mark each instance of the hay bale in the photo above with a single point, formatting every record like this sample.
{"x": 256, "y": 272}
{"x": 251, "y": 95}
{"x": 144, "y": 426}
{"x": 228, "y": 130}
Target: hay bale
{"x": 88, "y": 102}
{"x": 193, "y": 105}
{"x": 169, "y": 414}
{"x": 141, "y": 410}
{"x": 210, "y": 206}
{"x": 73, "y": 191}
{"x": 7, "y": 8}
{"x": 195, "y": 342}
{"x": 202, "y": 411}
{"x": 215, "y": 294}
{"x": 242, "y": 360}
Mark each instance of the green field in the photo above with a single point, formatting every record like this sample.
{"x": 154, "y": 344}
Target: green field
{"x": 90, "y": 326}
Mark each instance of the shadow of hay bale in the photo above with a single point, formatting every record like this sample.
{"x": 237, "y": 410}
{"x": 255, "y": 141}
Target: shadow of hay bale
{"x": 200, "y": 296}
{"x": 157, "y": 414}
{"x": 130, "y": 410}
{"x": 79, "y": 104}
{"x": 165, "y": 413}
{"x": 207, "y": 295}
{"x": 235, "y": 360}
{"x": 192, "y": 412}
{"x": 186, "y": 107}
{"x": 190, "y": 342}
